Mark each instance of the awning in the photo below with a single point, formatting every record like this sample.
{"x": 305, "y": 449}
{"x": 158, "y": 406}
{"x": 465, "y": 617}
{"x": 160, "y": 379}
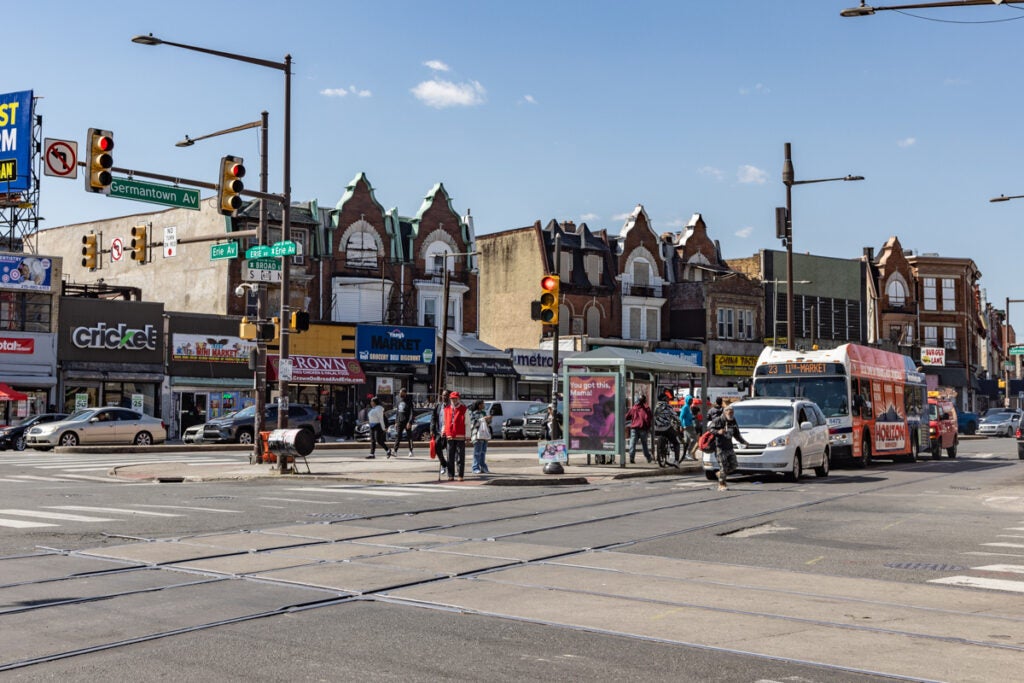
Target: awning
{"x": 318, "y": 370}
{"x": 481, "y": 367}
{"x": 9, "y": 394}
{"x": 948, "y": 377}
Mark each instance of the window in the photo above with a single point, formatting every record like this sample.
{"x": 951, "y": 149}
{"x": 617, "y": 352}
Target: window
{"x": 430, "y": 312}
{"x": 25, "y": 311}
{"x": 641, "y": 273}
{"x": 744, "y": 324}
{"x": 437, "y": 257}
{"x": 592, "y": 263}
{"x": 653, "y": 317}
{"x": 361, "y": 251}
{"x": 896, "y": 292}
{"x": 565, "y": 265}
{"x": 949, "y": 337}
{"x": 594, "y": 321}
{"x": 931, "y": 335}
{"x": 634, "y": 323}
{"x": 930, "y": 294}
{"x": 725, "y": 323}
{"x": 302, "y": 244}
{"x": 948, "y": 294}
{"x": 908, "y": 335}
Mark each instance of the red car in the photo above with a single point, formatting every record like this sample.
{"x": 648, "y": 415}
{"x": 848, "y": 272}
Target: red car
{"x": 942, "y": 427}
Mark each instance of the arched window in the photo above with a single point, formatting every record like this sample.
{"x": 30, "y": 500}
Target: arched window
{"x": 436, "y": 260}
{"x": 897, "y": 292}
{"x": 361, "y": 250}
{"x": 594, "y": 321}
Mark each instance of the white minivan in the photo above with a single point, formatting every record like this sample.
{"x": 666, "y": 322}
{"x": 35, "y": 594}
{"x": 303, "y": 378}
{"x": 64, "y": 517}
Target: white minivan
{"x": 505, "y": 410}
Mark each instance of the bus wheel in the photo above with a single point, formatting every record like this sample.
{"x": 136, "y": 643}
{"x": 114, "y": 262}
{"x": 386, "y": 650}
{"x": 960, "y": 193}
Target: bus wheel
{"x": 913, "y": 453}
{"x": 936, "y": 450}
{"x": 865, "y": 451}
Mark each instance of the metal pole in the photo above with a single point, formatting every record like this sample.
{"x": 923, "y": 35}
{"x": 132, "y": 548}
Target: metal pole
{"x": 261, "y": 309}
{"x": 282, "y": 387}
{"x": 787, "y": 179}
{"x": 442, "y": 371}
{"x": 558, "y": 306}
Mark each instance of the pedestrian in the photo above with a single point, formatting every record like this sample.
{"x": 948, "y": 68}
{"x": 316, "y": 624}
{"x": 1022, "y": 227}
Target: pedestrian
{"x": 725, "y": 429}
{"x": 665, "y": 422}
{"x": 481, "y": 422}
{"x": 437, "y": 430}
{"x": 553, "y": 423}
{"x": 688, "y": 424}
{"x": 375, "y": 416}
{"x": 715, "y": 410}
{"x": 455, "y": 418}
{"x": 403, "y": 421}
{"x": 638, "y": 419}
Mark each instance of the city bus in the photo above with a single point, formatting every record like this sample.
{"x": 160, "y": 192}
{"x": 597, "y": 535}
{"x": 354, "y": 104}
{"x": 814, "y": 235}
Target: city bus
{"x": 875, "y": 401}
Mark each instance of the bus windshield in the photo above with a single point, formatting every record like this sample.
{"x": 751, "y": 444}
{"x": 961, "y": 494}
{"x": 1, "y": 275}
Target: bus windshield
{"x": 828, "y": 392}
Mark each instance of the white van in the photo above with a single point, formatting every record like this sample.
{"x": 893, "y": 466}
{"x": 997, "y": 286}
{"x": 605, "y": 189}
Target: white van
{"x": 503, "y": 410}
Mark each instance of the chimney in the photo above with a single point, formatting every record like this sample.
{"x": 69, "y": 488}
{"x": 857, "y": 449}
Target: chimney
{"x": 869, "y": 254}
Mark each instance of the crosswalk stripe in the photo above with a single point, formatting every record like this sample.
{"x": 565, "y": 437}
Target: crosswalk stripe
{"x": 414, "y": 488}
{"x": 185, "y": 507}
{"x": 1008, "y": 568}
{"x": 368, "y": 492}
{"x": 34, "y": 478}
{"x": 980, "y": 582}
{"x": 54, "y": 515}
{"x": 85, "y": 508}
{"x": 22, "y": 524}
{"x": 107, "y": 480}
{"x": 1005, "y": 545}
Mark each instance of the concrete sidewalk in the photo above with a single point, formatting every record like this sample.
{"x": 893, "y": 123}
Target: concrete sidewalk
{"x": 508, "y": 464}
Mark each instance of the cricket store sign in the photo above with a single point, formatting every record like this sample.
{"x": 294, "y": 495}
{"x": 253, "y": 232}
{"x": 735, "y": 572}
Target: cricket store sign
{"x": 113, "y": 338}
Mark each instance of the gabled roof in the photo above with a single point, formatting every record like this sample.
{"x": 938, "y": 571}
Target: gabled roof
{"x": 350, "y": 191}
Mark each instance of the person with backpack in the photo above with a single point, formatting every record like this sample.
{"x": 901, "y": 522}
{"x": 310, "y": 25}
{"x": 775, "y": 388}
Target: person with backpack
{"x": 725, "y": 429}
{"x": 665, "y": 421}
{"x": 688, "y": 425}
{"x": 638, "y": 419}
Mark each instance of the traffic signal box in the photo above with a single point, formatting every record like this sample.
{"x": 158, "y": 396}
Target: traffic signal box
{"x": 139, "y": 245}
{"x": 299, "y": 322}
{"x": 549, "y": 286}
{"x": 230, "y": 185}
{"x": 90, "y": 251}
{"x": 98, "y": 177}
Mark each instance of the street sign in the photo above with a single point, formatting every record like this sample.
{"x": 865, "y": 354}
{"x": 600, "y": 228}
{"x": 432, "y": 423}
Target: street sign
{"x": 286, "y": 248}
{"x": 61, "y": 159}
{"x": 257, "y": 252}
{"x": 1017, "y": 350}
{"x": 167, "y": 195}
{"x": 223, "y": 251}
{"x": 284, "y": 371}
{"x": 170, "y": 241}
{"x": 116, "y": 249}
{"x": 262, "y": 270}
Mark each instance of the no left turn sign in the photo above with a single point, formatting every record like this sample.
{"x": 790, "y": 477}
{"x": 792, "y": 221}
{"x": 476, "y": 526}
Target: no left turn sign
{"x": 60, "y": 158}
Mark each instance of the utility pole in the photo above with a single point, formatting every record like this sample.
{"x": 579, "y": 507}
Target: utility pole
{"x": 554, "y": 348}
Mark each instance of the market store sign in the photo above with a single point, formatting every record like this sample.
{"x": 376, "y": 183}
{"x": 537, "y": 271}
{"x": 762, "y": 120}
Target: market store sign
{"x": 103, "y": 336}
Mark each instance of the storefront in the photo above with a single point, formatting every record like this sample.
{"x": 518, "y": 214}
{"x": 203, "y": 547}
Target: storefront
{"x": 396, "y": 357}
{"x": 28, "y": 339}
{"x": 533, "y": 369}
{"x": 208, "y": 373}
{"x": 487, "y": 378}
{"x": 110, "y": 352}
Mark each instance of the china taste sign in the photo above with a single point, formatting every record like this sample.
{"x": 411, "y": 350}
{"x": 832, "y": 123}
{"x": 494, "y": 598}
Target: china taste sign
{"x": 739, "y": 366}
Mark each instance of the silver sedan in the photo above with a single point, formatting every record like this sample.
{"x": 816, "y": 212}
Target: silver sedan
{"x": 110, "y": 425}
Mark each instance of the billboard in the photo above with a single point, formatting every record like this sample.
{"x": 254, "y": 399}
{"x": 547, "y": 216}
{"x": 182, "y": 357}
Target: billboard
{"x": 15, "y": 141}
{"x": 394, "y": 344}
{"x": 593, "y": 414}
{"x": 25, "y": 272}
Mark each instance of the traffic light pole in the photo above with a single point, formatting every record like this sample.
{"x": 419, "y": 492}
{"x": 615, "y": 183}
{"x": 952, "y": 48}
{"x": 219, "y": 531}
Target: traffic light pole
{"x": 554, "y": 337}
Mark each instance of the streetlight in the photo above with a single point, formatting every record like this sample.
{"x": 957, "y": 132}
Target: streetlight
{"x": 1006, "y": 318}
{"x": 1004, "y": 198}
{"x": 789, "y": 182}
{"x": 864, "y": 10}
{"x": 286, "y": 203}
{"x": 261, "y": 292}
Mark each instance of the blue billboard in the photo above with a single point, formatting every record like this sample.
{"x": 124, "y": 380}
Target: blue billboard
{"x": 394, "y": 344}
{"x": 15, "y": 141}
{"x": 25, "y": 272}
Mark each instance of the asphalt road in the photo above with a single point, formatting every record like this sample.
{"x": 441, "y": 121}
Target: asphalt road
{"x": 898, "y": 571}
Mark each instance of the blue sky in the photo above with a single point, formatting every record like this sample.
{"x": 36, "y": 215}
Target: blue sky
{"x": 567, "y": 109}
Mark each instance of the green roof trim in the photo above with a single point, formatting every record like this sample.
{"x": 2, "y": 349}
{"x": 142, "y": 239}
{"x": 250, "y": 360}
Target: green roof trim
{"x": 349, "y": 193}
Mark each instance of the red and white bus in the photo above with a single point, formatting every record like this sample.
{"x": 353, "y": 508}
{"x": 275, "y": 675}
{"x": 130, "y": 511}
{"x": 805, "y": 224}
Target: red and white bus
{"x": 875, "y": 401}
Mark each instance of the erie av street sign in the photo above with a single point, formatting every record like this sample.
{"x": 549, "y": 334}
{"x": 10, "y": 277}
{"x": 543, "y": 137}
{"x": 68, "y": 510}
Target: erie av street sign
{"x": 260, "y": 251}
{"x": 286, "y": 248}
{"x": 223, "y": 251}
{"x": 1017, "y": 349}
{"x": 167, "y": 195}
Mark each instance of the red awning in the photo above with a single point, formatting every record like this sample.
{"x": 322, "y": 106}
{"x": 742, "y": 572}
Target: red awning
{"x": 9, "y": 394}
{"x": 319, "y": 370}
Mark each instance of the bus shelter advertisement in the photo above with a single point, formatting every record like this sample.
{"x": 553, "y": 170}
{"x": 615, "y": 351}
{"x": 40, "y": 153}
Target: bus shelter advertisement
{"x": 593, "y": 413}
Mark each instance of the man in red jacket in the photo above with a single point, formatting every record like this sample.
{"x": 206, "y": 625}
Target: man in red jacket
{"x": 455, "y": 432}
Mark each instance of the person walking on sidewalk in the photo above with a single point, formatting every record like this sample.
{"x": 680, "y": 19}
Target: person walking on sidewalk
{"x": 455, "y": 419}
{"x": 665, "y": 422}
{"x": 375, "y": 416}
{"x": 725, "y": 429}
{"x": 688, "y": 423}
{"x": 638, "y": 419}
{"x": 403, "y": 421}
{"x": 481, "y": 434}
{"x": 437, "y": 430}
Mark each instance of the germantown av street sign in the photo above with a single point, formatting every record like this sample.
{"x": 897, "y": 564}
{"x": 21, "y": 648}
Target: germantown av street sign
{"x": 167, "y": 195}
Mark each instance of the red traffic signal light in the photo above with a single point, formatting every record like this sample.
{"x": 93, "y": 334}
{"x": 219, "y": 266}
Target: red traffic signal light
{"x": 549, "y": 285}
{"x": 98, "y": 176}
{"x": 229, "y": 185}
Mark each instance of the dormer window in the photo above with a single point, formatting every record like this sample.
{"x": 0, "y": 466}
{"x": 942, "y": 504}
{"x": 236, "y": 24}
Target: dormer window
{"x": 361, "y": 251}
{"x": 897, "y": 293}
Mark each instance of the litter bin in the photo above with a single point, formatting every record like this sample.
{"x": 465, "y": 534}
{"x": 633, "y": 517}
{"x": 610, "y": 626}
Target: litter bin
{"x": 291, "y": 442}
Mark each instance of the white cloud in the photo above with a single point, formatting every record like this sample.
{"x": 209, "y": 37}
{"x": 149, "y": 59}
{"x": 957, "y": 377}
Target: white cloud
{"x": 342, "y": 92}
{"x": 529, "y": 99}
{"x": 621, "y": 216}
{"x": 760, "y": 89}
{"x": 715, "y": 173}
{"x": 745, "y": 232}
{"x": 589, "y": 217}
{"x": 440, "y": 94}
{"x": 751, "y": 174}
{"x": 906, "y": 142}
{"x": 955, "y": 82}
{"x": 436, "y": 65}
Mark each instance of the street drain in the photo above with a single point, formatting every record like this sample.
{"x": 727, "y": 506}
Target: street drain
{"x": 926, "y": 566}
{"x": 334, "y": 515}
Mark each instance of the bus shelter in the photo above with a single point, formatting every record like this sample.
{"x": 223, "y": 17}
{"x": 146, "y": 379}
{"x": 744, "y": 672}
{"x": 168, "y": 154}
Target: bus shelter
{"x": 599, "y": 386}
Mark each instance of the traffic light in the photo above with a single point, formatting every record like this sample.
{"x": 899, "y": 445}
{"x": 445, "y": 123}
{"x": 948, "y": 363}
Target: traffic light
{"x": 300, "y": 321}
{"x": 98, "y": 177}
{"x": 549, "y": 285}
{"x": 90, "y": 251}
{"x": 246, "y": 329}
{"x": 276, "y": 322}
{"x": 139, "y": 243}
{"x": 230, "y": 185}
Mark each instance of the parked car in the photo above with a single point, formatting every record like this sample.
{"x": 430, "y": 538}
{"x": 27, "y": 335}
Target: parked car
{"x": 783, "y": 435}
{"x": 108, "y": 425}
{"x": 1000, "y": 424}
{"x": 536, "y": 424}
{"x": 420, "y": 427}
{"x": 238, "y": 427}
{"x": 942, "y": 427}
{"x": 14, "y": 436}
{"x": 967, "y": 423}
{"x": 193, "y": 434}
{"x": 514, "y": 427}
{"x": 503, "y": 410}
